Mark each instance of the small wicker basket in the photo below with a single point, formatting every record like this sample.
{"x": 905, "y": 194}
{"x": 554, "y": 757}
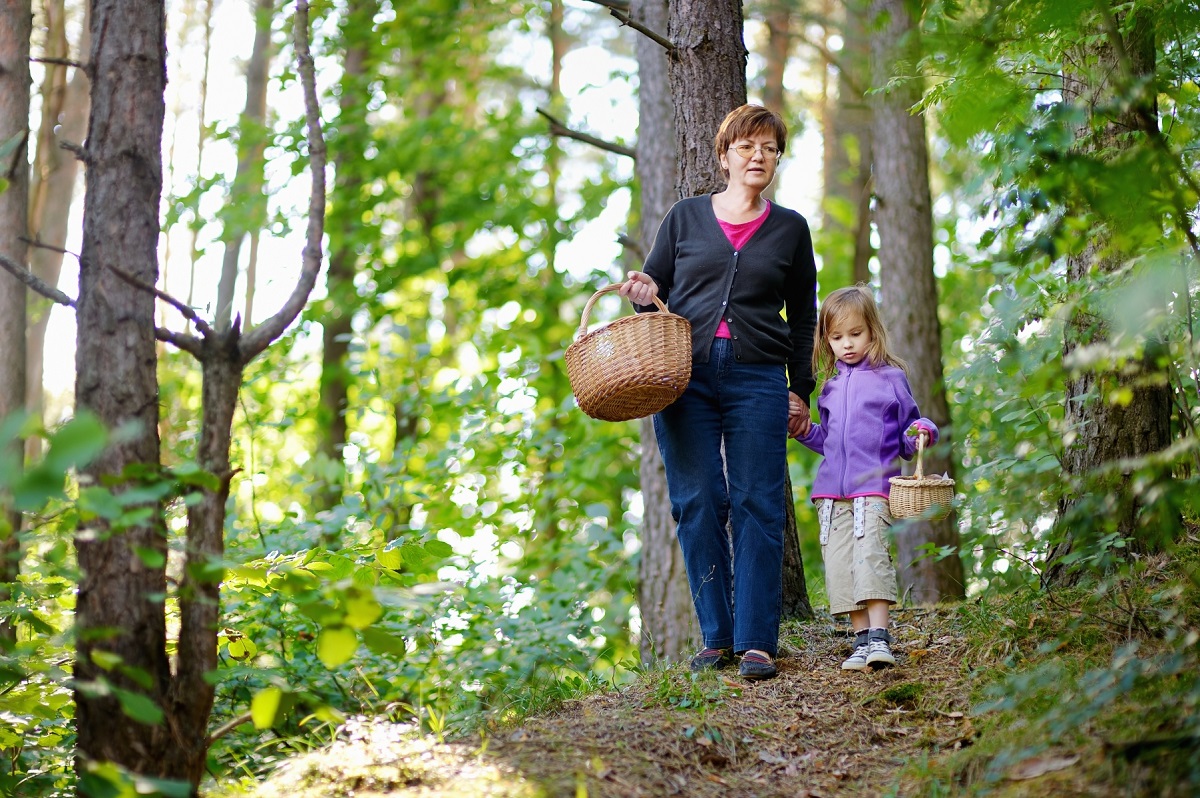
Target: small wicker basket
{"x": 920, "y": 496}
{"x": 632, "y": 367}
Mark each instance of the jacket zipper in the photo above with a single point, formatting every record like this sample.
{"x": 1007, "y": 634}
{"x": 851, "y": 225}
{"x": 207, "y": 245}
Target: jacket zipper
{"x": 845, "y": 424}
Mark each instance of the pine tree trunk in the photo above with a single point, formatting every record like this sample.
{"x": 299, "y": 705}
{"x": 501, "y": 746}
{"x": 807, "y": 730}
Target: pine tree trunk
{"x": 910, "y": 302}
{"x": 16, "y": 21}
{"x": 669, "y": 629}
{"x": 1102, "y": 432}
{"x": 119, "y": 606}
{"x": 708, "y": 80}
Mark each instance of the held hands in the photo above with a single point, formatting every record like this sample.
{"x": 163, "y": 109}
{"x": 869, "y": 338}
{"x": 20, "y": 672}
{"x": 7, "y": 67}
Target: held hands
{"x": 640, "y": 288}
{"x": 799, "y": 418}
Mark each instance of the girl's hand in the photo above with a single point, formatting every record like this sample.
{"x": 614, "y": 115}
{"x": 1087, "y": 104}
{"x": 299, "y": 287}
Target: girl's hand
{"x": 799, "y": 418}
{"x": 917, "y": 431}
{"x": 640, "y": 288}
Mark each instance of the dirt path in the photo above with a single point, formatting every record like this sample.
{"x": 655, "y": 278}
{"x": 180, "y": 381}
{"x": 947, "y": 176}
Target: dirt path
{"x": 813, "y": 731}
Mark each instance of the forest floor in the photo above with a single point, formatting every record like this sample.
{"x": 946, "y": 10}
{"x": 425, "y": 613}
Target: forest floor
{"x": 813, "y": 731}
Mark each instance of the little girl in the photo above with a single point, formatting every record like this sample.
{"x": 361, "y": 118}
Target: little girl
{"x": 867, "y": 421}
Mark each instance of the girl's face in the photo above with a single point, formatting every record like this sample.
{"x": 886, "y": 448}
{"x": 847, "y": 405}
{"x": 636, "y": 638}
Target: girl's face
{"x": 849, "y": 338}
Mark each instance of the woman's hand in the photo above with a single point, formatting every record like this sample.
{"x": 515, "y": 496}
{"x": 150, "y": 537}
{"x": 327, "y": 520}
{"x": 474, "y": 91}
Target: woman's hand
{"x": 640, "y": 288}
{"x": 799, "y": 418}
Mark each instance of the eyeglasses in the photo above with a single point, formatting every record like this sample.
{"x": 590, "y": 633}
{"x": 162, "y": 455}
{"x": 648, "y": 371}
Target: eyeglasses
{"x": 769, "y": 151}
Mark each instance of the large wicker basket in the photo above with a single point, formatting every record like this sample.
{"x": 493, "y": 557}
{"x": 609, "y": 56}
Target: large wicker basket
{"x": 632, "y": 367}
{"x": 920, "y": 496}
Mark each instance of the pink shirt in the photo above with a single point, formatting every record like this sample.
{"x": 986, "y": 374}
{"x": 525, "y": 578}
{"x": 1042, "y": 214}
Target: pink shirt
{"x": 738, "y": 235}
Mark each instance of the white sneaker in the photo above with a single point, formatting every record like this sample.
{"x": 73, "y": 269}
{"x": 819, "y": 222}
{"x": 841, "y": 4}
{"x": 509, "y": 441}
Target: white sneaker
{"x": 858, "y": 660}
{"x": 878, "y": 655}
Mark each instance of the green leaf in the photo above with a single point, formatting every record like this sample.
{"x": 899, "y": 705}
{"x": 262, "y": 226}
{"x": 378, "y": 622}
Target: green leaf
{"x": 336, "y": 645}
{"x": 77, "y": 443}
{"x": 241, "y": 649}
{"x": 362, "y": 611}
{"x": 138, "y": 706}
{"x": 413, "y": 554}
{"x": 151, "y": 558}
{"x": 189, "y": 473}
{"x": 382, "y": 642}
{"x": 264, "y": 707}
{"x": 389, "y": 558}
{"x": 438, "y": 549}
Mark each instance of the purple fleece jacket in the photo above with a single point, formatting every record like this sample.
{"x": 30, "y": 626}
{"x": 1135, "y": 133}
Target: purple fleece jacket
{"x": 864, "y": 413}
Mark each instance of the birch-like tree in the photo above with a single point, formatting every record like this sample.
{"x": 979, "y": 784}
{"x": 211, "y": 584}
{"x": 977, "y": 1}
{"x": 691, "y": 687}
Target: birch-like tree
{"x": 904, "y": 215}
{"x": 16, "y": 20}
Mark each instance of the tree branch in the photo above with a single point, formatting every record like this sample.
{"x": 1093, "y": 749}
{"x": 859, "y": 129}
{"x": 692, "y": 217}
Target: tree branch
{"x": 28, "y": 278}
{"x": 188, "y": 343}
{"x": 633, "y": 246}
{"x": 79, "y": 150}
{"x": 620, "y": 10}
{"x": 227, "y": 727}
{"x": 559, "y": 129}
{"x": 616, "y": 5}
{"x": 262, "y": 336}
{"x": 60, "y": 62}
{"x": 187, "y": 312}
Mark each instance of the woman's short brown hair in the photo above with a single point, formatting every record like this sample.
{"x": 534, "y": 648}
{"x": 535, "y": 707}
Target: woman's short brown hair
{"x": 746, "y": 121}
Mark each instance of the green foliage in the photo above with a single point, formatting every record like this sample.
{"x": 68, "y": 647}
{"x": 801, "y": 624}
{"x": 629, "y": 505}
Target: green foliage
{"x": 1107, "y": 673}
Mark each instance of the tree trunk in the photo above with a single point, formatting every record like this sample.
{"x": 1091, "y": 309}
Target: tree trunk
{"x": 707, "y": 73}
{"x": 201, "y": 138}
{"x": 119, "y": 607}
{"x": 246, "y": 196}
{"x": 65, "y": 106}
{"x": 910, "y": 303}
{"x": 795, "y": 604}
{"x": 669, "y": 629}
{"x": 846, "y": 200}
{"x": 1101, "y": 432}
{"x": 16, "y": 21}
{"x": 342, "y": 294}
{"x": 778, "y": 50}
{"x": 190, "y": 700}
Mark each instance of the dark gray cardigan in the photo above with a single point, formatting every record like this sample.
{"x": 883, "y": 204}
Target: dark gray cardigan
{"x": 702, "y": 278}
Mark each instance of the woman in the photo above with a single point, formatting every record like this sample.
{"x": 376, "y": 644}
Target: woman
{"x": 730, "y": 262}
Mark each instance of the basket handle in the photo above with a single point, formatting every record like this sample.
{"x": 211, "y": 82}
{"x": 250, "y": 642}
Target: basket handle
{"x": 920, "y": 471}
{"x": 587, "y": 309}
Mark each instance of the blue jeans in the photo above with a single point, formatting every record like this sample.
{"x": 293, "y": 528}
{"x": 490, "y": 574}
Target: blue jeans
{"x": 736, "y": 584}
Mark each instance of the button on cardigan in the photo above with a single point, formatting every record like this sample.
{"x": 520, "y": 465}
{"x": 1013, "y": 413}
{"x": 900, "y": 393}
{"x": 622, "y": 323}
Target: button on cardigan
{"x": 703, "y": 279}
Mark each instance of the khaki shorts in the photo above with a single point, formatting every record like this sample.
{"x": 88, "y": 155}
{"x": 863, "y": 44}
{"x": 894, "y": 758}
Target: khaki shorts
{"x": 858, "y": 562}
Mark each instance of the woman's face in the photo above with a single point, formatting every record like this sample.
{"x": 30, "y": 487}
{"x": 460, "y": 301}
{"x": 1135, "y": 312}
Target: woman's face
{"x": 751, "y": 160}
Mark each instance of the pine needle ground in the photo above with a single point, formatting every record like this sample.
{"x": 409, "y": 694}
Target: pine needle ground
{"x": 1091, "y": 692}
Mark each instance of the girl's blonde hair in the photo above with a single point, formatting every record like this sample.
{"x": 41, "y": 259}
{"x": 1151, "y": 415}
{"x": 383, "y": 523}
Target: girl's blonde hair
{"x": 856, "y": 300}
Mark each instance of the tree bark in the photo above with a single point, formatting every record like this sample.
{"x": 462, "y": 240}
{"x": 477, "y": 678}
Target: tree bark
{"x": 342, "y": 302}
{"x": 247, "y": 193}
{"x": 1101, "y": 432}
{"x": 119, "y": 606}
{"x": 707, "y": 72}
{"x": 846, "y": 129}
{"x": 794, "y": 599}
{"x": 669, "y": 629}
{"x": 65, "y": 107}
{"x": 16, "y": 22}
{"x": 910, "y": 302}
